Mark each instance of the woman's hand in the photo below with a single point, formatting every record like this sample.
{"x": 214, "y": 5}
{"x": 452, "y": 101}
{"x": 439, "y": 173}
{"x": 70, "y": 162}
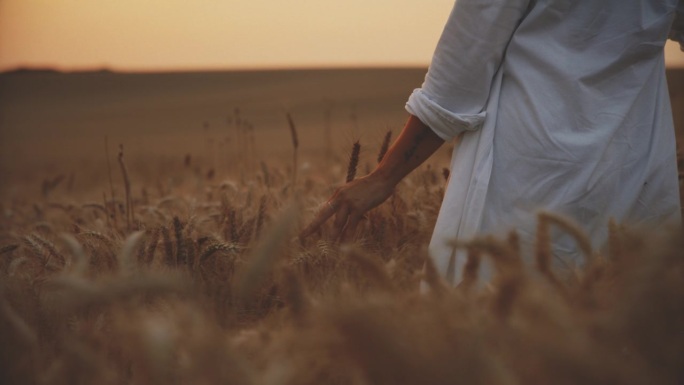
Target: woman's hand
{"x": 349, "y": 203}
{"x": 415, "y": 144}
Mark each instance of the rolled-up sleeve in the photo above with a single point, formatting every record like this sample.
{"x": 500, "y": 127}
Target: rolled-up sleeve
{"x": 677, "y": 29}
{"x": 454, "y": 94}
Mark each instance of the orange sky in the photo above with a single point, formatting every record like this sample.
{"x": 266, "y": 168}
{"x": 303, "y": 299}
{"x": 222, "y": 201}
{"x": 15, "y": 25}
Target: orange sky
{"x": 197, "y": 34}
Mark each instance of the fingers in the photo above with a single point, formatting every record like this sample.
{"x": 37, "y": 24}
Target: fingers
{"x": 340, "y": 221}
{"x": 324, "y": 213}
{"x": 350, "y": 228}
{"x": 346, "y": 219}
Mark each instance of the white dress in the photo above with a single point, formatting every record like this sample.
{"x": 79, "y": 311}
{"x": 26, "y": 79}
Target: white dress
{"x": 560, "y": 105}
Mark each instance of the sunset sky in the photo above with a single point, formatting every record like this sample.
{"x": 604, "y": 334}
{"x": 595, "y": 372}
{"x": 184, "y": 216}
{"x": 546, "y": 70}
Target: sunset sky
{"x": 216, "y": 34}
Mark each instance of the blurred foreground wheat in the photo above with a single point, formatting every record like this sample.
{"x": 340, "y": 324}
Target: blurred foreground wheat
{"x": 205, "y": 285}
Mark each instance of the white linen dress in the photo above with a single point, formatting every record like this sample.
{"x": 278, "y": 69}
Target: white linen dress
{"x": 559, "y": 105}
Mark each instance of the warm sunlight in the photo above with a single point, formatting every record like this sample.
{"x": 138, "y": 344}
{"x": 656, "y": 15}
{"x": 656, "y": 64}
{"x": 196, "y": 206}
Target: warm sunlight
{"x": 177, "y": 34}
{"x": 280, "y": 192}
{"x": 164, "y": 34}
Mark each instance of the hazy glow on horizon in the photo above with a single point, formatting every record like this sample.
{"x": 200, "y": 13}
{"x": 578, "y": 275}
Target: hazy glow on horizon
{"x": 214, "y": 34}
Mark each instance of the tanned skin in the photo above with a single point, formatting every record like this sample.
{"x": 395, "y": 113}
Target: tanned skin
{"x": 349, "y": 203}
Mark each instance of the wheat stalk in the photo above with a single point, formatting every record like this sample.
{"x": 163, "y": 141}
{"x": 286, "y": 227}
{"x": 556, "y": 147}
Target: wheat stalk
{"x": 81, "y": 260}
{"x": 125, "y": 257}
{"x": 295, "y": 296}
{"x": 152, "y": 246}
{"x": 267, "y": 175}
{"x": 295, "y": 146}
{"x": 265, "y": 255}
{"x": 544, "y": 253}
{"x": 181, "y": 255}
{"x": 168, "y": 246}
{"x": 385, "y": 146}
{"x": 571, "y": 228}
{"x": 109, "y": 168}
{"x": 471, "y": 269}
{"x": 127, "y": 185}
{"x": 353, "y": 161}
{"x": 261, "y": 216}
{"x": 432, "y": 278}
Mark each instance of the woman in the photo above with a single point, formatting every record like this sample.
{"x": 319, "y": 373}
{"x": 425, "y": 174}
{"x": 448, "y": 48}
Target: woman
{"x": 559, "y": 105}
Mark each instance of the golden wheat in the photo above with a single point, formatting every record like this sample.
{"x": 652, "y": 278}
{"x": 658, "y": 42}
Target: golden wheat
{"x": 204, "y": 285}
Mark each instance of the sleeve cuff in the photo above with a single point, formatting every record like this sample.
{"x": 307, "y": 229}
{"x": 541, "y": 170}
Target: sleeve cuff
{"x": 678, "y": 36}
{"x": 677, "y": 30}
{"x": 446, "y": 124}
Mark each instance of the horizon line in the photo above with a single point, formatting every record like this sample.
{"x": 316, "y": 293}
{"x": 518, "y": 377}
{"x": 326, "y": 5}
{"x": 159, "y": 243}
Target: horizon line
{"x": 196, "y": 69}
{"x": 186, "y": 69}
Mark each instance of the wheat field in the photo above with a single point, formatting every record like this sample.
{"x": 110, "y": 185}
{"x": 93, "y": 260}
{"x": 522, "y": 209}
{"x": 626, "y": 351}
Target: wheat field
{"x": 184, "y": 267}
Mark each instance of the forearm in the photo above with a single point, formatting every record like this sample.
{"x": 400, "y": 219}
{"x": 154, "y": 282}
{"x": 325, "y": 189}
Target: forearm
{"x": 415, "y": 144}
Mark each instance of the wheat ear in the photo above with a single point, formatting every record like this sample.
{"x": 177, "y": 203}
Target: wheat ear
{"x": 295, "y": 146}
{"x": 127, "y": 185}
{"x": 353, "y": 161}
{"x": 385, "y": 145}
